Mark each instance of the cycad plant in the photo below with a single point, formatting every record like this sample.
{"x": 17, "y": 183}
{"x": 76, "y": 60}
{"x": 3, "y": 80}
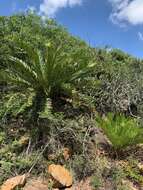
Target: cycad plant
{"x": 46, "y": 72}
{"x": 121, "y": 131}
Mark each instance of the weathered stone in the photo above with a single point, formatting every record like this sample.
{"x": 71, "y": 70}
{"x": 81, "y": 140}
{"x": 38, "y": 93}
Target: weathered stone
{"x": 12, "y": 183}
{"x": 61, "y": 177}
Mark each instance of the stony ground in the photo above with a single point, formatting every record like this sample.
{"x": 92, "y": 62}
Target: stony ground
{"x": 114, "y": 173}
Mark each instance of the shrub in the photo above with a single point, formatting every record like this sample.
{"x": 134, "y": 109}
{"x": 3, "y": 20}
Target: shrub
{"x": 121, "y": 131}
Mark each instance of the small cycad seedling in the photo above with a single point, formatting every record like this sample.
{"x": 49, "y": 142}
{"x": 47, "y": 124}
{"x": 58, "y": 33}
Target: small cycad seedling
{"x": 121, "y": 131}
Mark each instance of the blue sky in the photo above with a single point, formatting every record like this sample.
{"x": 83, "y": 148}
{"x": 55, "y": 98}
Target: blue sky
{"x": 117, "y": 23}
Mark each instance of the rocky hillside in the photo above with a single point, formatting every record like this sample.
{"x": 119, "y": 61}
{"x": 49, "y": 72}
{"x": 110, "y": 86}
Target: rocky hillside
{"x": 70, "y": 114}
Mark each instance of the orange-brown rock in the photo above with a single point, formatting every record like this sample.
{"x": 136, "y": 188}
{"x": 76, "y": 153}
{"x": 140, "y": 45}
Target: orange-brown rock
{"x": 61, "y": 177}
{"x": 12, "y": 183}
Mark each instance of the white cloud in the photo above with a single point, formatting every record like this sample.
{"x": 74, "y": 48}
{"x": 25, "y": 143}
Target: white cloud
{"x": 50, "y": 7}
{"x": 127, "y": 11}
{"x": 140, "y": 36}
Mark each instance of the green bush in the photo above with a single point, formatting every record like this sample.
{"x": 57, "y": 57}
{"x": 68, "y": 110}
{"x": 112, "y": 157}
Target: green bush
{"x": 121, "y": 131}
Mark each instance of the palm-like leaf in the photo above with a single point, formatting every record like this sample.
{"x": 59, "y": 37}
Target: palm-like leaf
{"x": 44, "y": 71}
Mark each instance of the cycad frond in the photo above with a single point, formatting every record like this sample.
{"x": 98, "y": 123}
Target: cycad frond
{"x": 34, "y": 57}
{"x": 21, "y": 69}
{"x": 7, "y": 76}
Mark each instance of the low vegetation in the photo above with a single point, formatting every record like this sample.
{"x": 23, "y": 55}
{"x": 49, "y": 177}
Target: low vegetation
{"x": 122, "y": 131}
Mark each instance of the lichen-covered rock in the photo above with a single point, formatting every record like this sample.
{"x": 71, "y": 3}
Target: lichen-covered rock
{"x": 61, "y": 177}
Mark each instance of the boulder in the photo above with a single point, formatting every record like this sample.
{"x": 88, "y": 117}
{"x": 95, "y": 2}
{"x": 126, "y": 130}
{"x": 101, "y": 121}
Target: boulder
{"x": 12, "y": 183}
{"x": 61, "y": 177}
